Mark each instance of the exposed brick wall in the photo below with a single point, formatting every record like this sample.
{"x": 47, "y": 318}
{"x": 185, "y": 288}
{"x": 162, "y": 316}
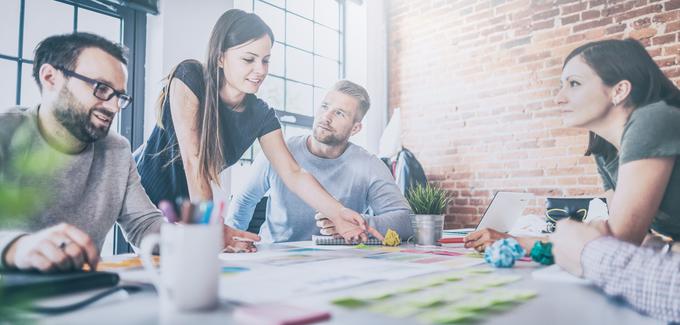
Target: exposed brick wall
{"x": 475, "y": 81}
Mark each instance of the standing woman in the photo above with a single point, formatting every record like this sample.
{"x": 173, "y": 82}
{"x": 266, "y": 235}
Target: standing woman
{"x": 209, "y": 116}
{"x": 614, "y": 89}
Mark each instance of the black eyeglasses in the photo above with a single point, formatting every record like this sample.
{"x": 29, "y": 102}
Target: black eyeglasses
{"x": 100, "y": 90}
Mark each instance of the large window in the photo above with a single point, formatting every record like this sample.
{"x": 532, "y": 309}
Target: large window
{"x": 307, "y": 58}
{"x": 24, "y": 23}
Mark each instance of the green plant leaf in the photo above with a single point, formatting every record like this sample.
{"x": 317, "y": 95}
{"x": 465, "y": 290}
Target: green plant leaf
{"x": 427, "y": 199}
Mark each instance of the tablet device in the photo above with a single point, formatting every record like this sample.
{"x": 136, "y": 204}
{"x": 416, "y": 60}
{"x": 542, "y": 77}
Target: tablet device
{"x": 504, "y": 210}
{"x": 35, "y": 284}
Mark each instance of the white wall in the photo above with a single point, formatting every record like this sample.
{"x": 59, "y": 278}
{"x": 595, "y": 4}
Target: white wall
{"x": 366, "y": 64}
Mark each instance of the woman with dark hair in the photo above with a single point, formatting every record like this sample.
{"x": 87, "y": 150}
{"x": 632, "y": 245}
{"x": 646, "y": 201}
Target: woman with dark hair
{"x": 209, "y": 116}
{"x": 614, "y": 89}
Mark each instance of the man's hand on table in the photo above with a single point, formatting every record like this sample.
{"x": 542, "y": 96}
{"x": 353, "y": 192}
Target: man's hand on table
{"x": 328, "y": 228}
{"x": 59, "y": 248}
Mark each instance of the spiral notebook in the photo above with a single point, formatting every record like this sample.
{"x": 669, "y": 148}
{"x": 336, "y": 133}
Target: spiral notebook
{"x": 330, "y": 240}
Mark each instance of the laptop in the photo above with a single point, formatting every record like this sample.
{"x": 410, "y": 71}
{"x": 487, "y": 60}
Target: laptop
{"x": 504, "y": 210}
{"x": 501, "y": 214}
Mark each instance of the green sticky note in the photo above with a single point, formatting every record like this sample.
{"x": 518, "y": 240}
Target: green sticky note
{"x": 399, "y": 310}
{"x": 480, "y": 303}
{"x": 480, "y": 270}
{"x": 453, "y": 277}
{"x": 524, "y": 294}
{"x": 445, "y": 316}
{"x": 427, "y": 301}
{"x": 349, "y": 302}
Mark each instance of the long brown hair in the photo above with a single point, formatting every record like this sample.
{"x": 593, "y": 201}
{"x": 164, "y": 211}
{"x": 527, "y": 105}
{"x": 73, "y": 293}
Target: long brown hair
{"x": 233, "y": 28}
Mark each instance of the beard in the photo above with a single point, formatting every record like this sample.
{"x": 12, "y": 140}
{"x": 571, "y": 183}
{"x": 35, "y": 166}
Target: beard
{"x": 77, "y": 119}
{"x": 329, "y": 138}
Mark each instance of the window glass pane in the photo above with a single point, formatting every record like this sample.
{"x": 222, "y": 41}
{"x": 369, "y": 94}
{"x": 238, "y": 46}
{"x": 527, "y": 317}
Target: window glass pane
{"x": 9, "y": 25}
{"x": 300, "y": 32}
{"x": 298, "y": 65}
{"x": 274, "y": 17}
{"x": 44, "y": 18}
{"x": 30, "y": 95}
{"x": 276, "y": 60}
{"x": 8, "y": 83}
{"x": 102, "y": 25}
{"x": 299, "y": 98}
{"x": 319, "y": 94}
{"x": 245, "y": 5}
{"x": 279, "y": 3}
{"x": 293, "y": 130}
{"x": 271, "y": 91}
{"x": 304, "y": 8}
{"x": 326, "y": 42}
{"x": 326, "y": 72}
{"x": 327, "y": 12}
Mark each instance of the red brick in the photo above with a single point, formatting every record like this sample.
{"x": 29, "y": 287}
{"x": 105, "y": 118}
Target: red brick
{"x": 592, "y": 24}
{"x": 617, "y": 9}
{"x": 664, "y": 39}
{"x": 570, "y": 9}
{"x": 665, "y": 17}
{"x": 616, "y": 29}
{"x": 630, "y": 14}
{"x": 643, "y": 33}
{"x": 672, "y": 5}
{"x": 571, "y": 19}
{"x": 642, "y": 23}
{"x": 546, "y": 14}
{"x": 590, "y": 14}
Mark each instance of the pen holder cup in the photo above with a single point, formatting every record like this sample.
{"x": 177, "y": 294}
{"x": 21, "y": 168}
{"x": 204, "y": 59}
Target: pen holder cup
{"x": 427, "y": 229}
{"x": 189, "y": 267}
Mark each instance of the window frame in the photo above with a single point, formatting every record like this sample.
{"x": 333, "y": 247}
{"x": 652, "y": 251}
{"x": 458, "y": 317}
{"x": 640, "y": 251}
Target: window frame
{"x": 292, "y": 118}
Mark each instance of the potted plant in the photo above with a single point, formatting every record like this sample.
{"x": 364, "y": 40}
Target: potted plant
{"x": 428, "y": 203}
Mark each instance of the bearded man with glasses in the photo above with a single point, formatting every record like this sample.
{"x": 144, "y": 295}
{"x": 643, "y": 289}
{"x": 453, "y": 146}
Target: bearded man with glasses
{"x": 82, "y": 79}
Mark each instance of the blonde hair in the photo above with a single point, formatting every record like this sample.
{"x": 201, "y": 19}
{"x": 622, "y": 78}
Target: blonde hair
{"x": 357, "y": 92}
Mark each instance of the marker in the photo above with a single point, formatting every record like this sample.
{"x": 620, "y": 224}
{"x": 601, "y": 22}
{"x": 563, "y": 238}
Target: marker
{"x": 168, "y": 211}
{"x": 217, "y": 213}
{"x": 197, "y": 212}
{"x": 187, "y": 211}
{"x": 207, "y": 212}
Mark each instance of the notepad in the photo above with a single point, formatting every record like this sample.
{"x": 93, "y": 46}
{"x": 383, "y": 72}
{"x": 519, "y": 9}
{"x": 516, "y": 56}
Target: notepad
{"x": 330, "y": 240}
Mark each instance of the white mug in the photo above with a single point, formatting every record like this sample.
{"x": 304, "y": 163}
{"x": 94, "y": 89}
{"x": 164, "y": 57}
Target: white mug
{"x": 189, "y": 267}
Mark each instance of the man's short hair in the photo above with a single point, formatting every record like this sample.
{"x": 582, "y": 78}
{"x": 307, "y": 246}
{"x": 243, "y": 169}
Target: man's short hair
{"x": 359, "y": 93}
{"x": 64, "y": 50}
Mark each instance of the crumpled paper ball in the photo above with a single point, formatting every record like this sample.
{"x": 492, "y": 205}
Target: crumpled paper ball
{"x": 504, "y": 252}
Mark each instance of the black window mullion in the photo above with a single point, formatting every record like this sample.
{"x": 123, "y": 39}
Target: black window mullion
{"x": 20, "y": 51}
{"x": 132, "y": 118}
